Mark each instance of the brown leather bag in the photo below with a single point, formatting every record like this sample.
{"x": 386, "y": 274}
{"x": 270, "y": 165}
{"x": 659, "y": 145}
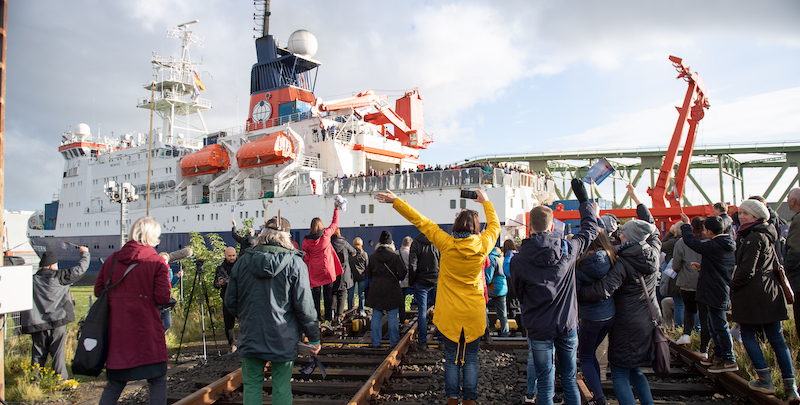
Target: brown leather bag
{"x": 780, "y": 274}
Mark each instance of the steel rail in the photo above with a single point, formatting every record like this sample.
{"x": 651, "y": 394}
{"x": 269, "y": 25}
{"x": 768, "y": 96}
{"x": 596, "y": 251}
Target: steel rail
{"x": 384, "y": 371}
{"x": 730, "y": 381}
{"x": 214, "y": 391}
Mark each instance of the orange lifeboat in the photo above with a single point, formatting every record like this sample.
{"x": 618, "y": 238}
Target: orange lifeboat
{"x": 211, "y": 159}
{"x": 273, "y": 149}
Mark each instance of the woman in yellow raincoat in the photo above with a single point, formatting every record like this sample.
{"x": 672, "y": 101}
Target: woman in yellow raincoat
{"x": 460, "y": 302}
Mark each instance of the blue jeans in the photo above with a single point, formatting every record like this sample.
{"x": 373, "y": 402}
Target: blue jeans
{"x": 351, "y": 297}
{"x": 461, "y": 368}
{"x": 774, "y": 335}
{"x": 678, "y": 312}
{"x": 362, "y": 296}
{"x": 591, "y": 334}
{"x": 502, "y": 315}
{"x": 421, "y": 295}
{"x": 623, "y": 378}
{"x": 541, "y": 353}
{"x": 720, "y": 334}
{"x": 391, "y": 320}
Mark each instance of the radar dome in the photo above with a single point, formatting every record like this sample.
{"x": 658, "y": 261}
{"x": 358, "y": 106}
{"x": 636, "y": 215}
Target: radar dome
{"x": 82, "y": 131}
{"x": 303, "y": 43}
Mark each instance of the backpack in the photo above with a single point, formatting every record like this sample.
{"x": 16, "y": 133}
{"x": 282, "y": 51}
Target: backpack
{"x": 358, "y": 266}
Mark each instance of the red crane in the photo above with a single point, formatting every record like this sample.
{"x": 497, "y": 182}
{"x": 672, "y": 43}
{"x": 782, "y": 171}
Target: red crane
{"x": 692, "y": 111}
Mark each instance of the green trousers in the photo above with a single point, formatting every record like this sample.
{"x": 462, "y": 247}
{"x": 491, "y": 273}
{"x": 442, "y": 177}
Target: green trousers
{"x": 253, "y": 377}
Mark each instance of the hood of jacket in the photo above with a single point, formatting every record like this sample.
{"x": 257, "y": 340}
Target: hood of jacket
{"x": 543, "y": 249}
{"x": 641, "y": 256}
{"x": 496, "y": 254}
{"x": 267, "y": 261}
{"x": 421, "y": 238}
{"x": 134, "y": 252}
{"x": 468, "y": 247}
{"x": 314, "y": 236}
{"x": 594, "y": 266}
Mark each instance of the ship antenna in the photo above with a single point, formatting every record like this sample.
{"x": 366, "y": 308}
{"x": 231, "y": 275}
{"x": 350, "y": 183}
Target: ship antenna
{"x": 262, "y": 21}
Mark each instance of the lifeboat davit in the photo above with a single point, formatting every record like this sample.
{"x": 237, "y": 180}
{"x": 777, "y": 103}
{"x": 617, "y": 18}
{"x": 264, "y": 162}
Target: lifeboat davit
{"x": 273, "y": 149}
{"x": 211, "y": 159}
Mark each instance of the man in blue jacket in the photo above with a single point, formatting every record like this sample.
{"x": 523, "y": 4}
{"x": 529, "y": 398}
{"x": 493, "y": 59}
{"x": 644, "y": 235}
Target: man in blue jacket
{"x": 543, "y": 277}
{"x": 270, "y": 293}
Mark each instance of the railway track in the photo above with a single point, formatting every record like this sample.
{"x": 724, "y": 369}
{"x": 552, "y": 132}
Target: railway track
{"x": 358, "y": 374}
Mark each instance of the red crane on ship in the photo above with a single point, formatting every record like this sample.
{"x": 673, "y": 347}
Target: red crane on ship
{"x": 666, "y": 206}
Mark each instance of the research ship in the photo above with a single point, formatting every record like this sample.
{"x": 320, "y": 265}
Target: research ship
{"x": 295, "y": 153}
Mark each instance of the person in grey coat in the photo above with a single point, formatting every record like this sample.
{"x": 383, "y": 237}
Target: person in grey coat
{"x": 343, "y": 281}
{"x": 270, "y": 293}
{"x": 52, "y": 310}
{"x": 682, "y": 259}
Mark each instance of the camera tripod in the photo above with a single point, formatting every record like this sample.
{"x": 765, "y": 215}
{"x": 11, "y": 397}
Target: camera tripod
{"x": 202, "y": 298}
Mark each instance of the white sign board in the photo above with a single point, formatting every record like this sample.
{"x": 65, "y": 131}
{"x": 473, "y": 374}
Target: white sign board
{"x": 16, "y": 288}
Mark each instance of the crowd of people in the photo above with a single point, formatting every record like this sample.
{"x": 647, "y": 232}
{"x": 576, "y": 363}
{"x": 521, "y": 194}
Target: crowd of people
{"x": 572, "y": 293}
{"x": 487, "y": 167}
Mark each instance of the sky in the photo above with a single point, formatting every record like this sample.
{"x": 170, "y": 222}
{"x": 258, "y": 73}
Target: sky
{"x": 497, "y": 77}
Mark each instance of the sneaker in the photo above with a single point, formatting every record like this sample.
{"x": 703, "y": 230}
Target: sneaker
{"x": 724, "y": 366}
{"x": 596, "y": 401}
{"x": 233, "y": 349}
{"x": 558, "y": 398}
{"x": 684, "y": 340}
{"x": 762, "y": 385}
{"x": 530, "y": 398}
{"x": 422, "y": 346}
{"x": 709, "y": 360}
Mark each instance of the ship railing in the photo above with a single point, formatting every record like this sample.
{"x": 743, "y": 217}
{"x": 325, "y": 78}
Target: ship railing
{"x": 298, "y": 116}
{"x": 309, "y": 161}
{"x": 458, "y": 178}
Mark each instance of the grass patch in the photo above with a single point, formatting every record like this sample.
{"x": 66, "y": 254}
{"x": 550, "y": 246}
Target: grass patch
{"x": 82, "y": 296}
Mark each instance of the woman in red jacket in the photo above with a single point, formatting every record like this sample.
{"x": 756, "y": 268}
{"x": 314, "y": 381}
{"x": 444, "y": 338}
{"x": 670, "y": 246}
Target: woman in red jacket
{"x": 323, "y": 264}
{"x": 137, "y": 349}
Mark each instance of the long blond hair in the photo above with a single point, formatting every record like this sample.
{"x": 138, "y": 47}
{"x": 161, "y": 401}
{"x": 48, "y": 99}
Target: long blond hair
{"x": 358, "y": 244}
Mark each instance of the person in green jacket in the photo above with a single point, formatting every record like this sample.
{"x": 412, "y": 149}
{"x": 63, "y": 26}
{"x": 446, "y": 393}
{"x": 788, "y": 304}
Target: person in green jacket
{"x": 270, "y": 293}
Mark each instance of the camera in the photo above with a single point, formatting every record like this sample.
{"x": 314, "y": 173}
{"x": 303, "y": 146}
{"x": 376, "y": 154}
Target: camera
{"x": 469, "y": 194}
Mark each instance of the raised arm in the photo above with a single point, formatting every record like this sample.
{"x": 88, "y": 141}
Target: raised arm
{"x": 71, "y": 275}
{"x": 436, "y": 235}
{"x": 605, "y": 287}
{"x": 589, "y": 227}
{"x": 334, "y": 224}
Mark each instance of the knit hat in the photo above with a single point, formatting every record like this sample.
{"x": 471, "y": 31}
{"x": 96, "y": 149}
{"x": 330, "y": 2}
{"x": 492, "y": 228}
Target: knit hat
{"x": 386, "y": 238}
{"x": 609, "y": 222}
{"x": 755, "y": 208}
{"x": 637, "y": 230}
{"x": 274, "y": 222}
{"x": 48, "y": 258}
{"x": 714, "y": 224}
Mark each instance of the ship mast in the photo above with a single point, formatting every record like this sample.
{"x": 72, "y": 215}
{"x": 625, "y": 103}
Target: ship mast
{"x": 177, "y": 89}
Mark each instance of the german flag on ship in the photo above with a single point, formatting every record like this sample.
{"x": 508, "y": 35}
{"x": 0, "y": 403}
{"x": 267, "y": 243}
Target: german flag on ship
{"x": 198, "y": 82}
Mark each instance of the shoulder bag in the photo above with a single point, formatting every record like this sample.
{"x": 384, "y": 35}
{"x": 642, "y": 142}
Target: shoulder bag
{"x": 780, "y": 275}
{"x": 661, "y": 363}
{"x": 92, "y": 349}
